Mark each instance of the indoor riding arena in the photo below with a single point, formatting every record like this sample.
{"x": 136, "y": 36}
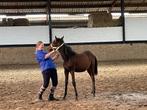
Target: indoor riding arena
{"x": 113, "y": 30}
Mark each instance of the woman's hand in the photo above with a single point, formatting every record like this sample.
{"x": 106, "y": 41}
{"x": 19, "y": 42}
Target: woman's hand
{"x": 56, "y": 55}
{"x": 49, "y": 54}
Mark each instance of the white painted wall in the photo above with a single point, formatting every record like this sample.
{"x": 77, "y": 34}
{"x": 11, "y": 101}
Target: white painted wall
{"x": 136, "y": 28}
{"x": 23, "y": 35}
{"x": 79, "y": 35}
{"x": 32, "y": 34}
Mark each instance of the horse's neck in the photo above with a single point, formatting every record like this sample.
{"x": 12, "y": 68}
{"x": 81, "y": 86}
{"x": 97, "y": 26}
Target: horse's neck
{"x": 67, "y": 53}
{"x": 64, "y": 57}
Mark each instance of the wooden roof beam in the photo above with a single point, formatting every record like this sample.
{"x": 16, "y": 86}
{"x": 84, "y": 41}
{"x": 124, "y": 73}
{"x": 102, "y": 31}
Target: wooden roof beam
{"x": 23, "y": 0}
{"x": 22, "y": 7}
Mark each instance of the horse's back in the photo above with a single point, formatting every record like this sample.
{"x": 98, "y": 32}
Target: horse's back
{"x": 89, "y": 54}
{"x": 80, "y": 62}
{"x": 86, "y": 56}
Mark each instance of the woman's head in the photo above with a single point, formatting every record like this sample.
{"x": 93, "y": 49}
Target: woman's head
{"x": 39, "y": 45}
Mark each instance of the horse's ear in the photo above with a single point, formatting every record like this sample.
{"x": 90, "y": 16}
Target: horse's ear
{"x": 55, "y": 37}
{"x": 62, "y": 37}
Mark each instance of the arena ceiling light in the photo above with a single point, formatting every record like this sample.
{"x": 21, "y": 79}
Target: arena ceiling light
{"x": 2, "y": 16}
{"x": 131, "y": 14}
{"x": 57, "y": 17}
{"x": 35, "y": 15}
{"x": 42, "y": 17}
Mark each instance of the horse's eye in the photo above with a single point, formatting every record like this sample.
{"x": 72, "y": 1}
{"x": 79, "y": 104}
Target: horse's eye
{"x": 54, "y": 42}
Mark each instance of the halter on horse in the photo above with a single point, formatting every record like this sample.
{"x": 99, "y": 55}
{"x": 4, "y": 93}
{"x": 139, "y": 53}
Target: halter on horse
{"x": 56, "y": 48}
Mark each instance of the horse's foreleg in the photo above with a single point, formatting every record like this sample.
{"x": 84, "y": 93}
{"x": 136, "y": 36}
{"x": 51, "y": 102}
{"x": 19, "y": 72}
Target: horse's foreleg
{"x": 74, "y": 84}
{"x": 66, "y": 82}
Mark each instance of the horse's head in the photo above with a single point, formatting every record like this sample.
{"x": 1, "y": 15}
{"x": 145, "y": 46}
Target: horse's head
{"x": 57, "y": 43}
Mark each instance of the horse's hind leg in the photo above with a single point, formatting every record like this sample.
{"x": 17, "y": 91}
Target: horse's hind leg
{"x": 74, "y": 84}
{"x": 93, "y": 84}
{"x": 93, "y": 81}
{"x": 66, "y": 72}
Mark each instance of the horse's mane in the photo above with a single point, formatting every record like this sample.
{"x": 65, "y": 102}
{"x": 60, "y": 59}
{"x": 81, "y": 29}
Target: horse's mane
{"x": 68, "y": 52}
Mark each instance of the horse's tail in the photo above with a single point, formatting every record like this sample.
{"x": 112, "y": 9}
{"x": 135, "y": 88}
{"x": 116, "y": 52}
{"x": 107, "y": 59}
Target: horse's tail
{"x": 95, "y": 67}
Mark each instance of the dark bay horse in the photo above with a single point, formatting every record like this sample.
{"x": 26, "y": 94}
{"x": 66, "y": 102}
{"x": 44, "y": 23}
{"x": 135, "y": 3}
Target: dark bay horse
{"x": 75, "y": 62}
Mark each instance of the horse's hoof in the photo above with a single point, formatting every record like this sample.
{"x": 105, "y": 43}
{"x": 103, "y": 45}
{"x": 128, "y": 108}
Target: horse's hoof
{"x": 63, "y": 98}
{"x": 93, "y": 93}
{"x": 76, "y": 99}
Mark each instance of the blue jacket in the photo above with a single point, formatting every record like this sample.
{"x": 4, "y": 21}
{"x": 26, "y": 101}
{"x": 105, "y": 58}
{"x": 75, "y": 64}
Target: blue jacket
{"x": 45, "y": 64}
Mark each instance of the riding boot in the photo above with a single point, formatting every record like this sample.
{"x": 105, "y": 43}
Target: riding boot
{"x": 40, "y": 96}
{"x": 52, "y": 98}
{"x": 51, "y": 95}
{"x": 40, "y": 93}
